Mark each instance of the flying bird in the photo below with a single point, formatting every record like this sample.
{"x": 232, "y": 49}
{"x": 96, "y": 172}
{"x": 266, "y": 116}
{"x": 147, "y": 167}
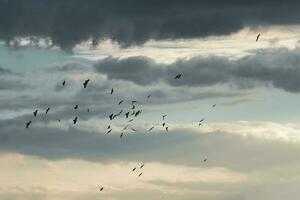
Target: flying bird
{"x": 111, "y": 116}
{"x": 112, "y": 91}
{"x": 101, "y": 189}
{"x": 214, "y": 105}
{"x": 108, "y": 131}
{"x": 75, "y": 120}
{"x": 141, "y": 166}
{"x": 164, "y": 116}
{"x": 140, "y": 174}
{"x": 138, "y": 112}
{"x": 130, "y": 120}
{"x": 149, "y": 96}
{"x": 202, "y": 120}
{"x": 257, "y": 37}
{"x": 108, "y": 127}
{"x": 121, "y": 102}
{"x": 151, "y": 129}
{"x": 133, "y": 129}
{"x": 64, "y": 83}
{"x": 47, "y": 110}
{"x": 85, "y": 83}
{"x": 178, "y": 76}
{"x": 75, "y": 107}
{"x": 121, "y": 134}
{"x": 28, "y": 123}
{"x": 88, "y": 110}
{"x": 35, "y": 113}
{"x": 164, "y": 124}
{"x": 167, "y": 128}
{"x": 125, "y": 128}
{"x": 134, "y": 169}
{"x": 205, "y": 160}
{"x": 199, "y": 124}
{"x": 58, "y": 120}
{"x": 127, "y": 114}
{"x": 133, "y": 107}
{"x": 133, "y": 102}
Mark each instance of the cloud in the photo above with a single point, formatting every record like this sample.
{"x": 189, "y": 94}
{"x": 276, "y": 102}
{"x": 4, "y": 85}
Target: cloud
{"x": 276, "y": 67}
{"x": 132, "y": 22}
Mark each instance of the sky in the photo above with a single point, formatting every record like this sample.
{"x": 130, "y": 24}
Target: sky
{"x": 247, "y": 146}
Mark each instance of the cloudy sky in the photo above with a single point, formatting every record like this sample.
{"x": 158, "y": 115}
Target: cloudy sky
{"x": 251, "y": 138}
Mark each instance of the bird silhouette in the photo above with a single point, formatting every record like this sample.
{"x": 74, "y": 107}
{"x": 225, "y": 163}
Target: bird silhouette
{"x": 47, "y": 110}
{"x": 112, "y": 91}
{"x": 178, "y": 76}
{"x": 64, "y": 83}
{"x": 133, "y": 102}
{"x": 141, "y": 166}
{"x": 202, "y": 120}
{"x": 164, "y": 124}
{"x": 108, "y": 131}
{"x": 28, "y": 123}
{"x": 111, "y": 116}
{"x": 35, "y": 113}
{"x": 133, "y": 107}
{"x": 134, "y": 169}
{"x": 121, "y": 102}
{"x": 125, "y": 128}
{"x": 108, "y": 127}
{"x": 205, "y": 160}
{"x": 164, "y": 116}
{"x": 133, "y": 113}
{"x": 257, "y": 37}
{"x": 101, "y": 189}
{"x": 133, "y": 129}
{"x": 75, "y": 120}
{"x": 167, "y": 128}
{"x": 75, "y": 107}
{"x": 199, "y": 124}
{"x": 214, "y": 105}
{"x": 86, "y": 82}
{"x": 138, "y": 112}
{"x": 140, "y": 174}
{"x": 58, "y": 120}
{"x": 130, "y": 120}
{"x": 121, "y": 134}
{"x": 127, "y": 114}
{"x": 150, "y": 129}
{"x": 149, "y": 96}
{"x": 88, "y": 110}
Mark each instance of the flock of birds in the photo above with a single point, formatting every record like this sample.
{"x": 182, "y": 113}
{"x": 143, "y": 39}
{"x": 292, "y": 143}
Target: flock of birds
{"x": 132, "y": 112}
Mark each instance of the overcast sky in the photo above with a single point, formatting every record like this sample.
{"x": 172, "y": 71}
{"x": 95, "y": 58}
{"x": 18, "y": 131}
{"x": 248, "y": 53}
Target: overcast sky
{"x": 250, "y": 139}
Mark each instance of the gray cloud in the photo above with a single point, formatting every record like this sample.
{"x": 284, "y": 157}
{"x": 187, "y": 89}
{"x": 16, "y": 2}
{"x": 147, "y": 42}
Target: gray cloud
{"x": 276, "y": 67}
{"x": 67, "y": 23}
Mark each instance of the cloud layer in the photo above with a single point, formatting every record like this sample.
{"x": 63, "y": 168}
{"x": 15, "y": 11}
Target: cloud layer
{"x": 132, "y": 22}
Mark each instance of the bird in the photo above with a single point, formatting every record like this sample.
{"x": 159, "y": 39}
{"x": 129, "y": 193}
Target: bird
{"x": 133, "y": 107}
{"x": 75, "y": 107}
{"x": 112, "y": 90}
{"x": 58, "y": 120}
{"x": 125, "y": 128}
{"x": 121, "y": 102}
{"x": 138, "y": 112}
{"x": 121, "y": 134}
{"x": 200, "y": 124}
{"x": 108, "y": 127}
{"x": 133, "y": 102}
{"x": 28, "y": 123}
{"x": 35, "y": 113}
{"x": 75, "y": 120}
{"x": 85, "y": 83}
{"x": 178, "y": 76}
{"x": 120, "y": 112}
{"x": 108, "y": 131}
{"x": 101, "y": 189}
{"x": 167, "y": 128}
{"x": 205, "y": 160}
{"x": 163, "y": 124}
{"x": 111, "y": 116}
{"x": 88, "y": 110}
{"x": 214, "y": 105}
{"x": 149, "y": 96}
{"x": 130, "y": 120}
{"x": 141, "y": 166}
{"x": 202, "y": 120}
{"x": 164, "y": 116}
{"x": 134, "y": 169}
{"x": 133, "y": 129}
{"x": 133, "y": 113}
{"x": 47, "y": 110}
{"x": 257, "y": 37}
{"x": 64, "y": 83}
{"x": 151, "y": 129}
{"x": 140, "y": 174}
{"x": 127, "y": 114}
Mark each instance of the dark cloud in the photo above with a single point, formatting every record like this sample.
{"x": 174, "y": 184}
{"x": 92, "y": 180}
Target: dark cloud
{"x": 132, "y": 22}
{"x": 277, "y": 67}
{"x": 221, "y": 148}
